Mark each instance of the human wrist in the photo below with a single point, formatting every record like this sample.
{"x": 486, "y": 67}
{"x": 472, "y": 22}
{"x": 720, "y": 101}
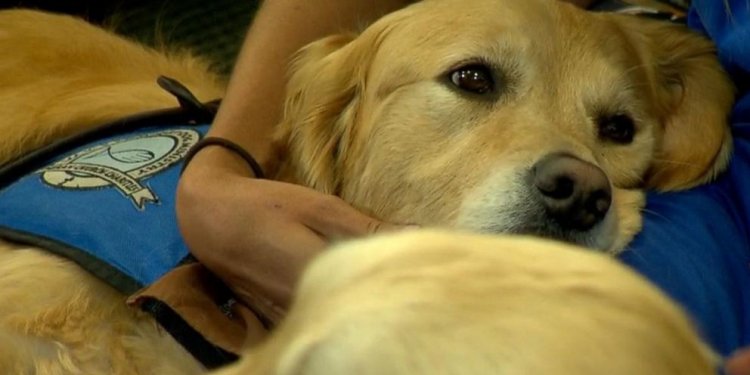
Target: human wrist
{"x": 227, "y": 145}
{"x": 214, "y": 155}
{"x": 211, "y": 161}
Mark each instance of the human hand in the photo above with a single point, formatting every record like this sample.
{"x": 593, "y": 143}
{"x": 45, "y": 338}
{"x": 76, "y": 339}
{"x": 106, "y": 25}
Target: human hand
{"x": 258, "y": 235}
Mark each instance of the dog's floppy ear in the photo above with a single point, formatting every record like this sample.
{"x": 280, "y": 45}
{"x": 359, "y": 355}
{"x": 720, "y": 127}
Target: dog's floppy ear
{"x": 694, "y": 97}
{"x": 323, "y": 95}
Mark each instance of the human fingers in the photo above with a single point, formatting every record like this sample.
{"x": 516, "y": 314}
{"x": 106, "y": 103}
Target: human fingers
{"x": 271, "y": 269}
{"x": 333, "y": 218}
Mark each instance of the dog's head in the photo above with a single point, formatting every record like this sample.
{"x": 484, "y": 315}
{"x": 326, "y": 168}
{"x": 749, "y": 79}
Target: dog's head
{"x": 508, "y": 116}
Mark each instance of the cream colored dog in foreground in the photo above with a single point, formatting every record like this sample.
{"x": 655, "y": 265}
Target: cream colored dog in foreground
{"x": 440, "y": 303}
{"x": 494, "y": 116}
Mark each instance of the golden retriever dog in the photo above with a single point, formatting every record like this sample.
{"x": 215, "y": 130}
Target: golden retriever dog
{"x": 446, "y": 303}
{"x": 535, "y": 117}
{"x": 494, "y": 116}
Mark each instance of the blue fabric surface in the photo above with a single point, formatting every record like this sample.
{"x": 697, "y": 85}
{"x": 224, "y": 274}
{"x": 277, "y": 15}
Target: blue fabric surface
{"x": 110, "y": 201}
{"x": 695, "y": 244}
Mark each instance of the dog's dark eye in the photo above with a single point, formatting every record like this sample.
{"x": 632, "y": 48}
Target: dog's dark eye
{"x": 618, "y": 128}
{"x": 475, "y": 78}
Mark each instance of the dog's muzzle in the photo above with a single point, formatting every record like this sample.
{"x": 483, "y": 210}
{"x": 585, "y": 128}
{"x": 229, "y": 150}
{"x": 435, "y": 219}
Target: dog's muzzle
{"x": 575, "y": 194}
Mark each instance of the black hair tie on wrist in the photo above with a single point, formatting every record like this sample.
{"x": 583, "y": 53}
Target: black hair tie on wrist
{"x": 229, "y": 145}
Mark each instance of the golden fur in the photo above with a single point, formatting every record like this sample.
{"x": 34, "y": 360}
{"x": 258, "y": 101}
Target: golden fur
{"x": 370, "y": 118}
{"x": 446, "y": 303}
{"x": 65, "y": 75}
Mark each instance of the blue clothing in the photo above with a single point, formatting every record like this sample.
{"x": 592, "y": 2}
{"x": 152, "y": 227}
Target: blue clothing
{"x": 696, "y": 244}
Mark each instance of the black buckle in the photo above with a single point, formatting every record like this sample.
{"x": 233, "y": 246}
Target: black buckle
{"x": 203, "y": 112}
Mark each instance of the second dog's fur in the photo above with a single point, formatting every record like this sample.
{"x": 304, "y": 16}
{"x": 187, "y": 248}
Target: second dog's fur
{"x": 440, "y": 303}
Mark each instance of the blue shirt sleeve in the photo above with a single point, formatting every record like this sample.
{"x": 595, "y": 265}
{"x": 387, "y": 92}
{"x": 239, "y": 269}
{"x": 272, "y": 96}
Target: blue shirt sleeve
{"x": 727, "y": 23}
{"x": 695, "y": 244}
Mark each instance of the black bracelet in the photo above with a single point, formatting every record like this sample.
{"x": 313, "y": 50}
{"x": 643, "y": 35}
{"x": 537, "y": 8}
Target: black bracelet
{"x": 229, "y": 145}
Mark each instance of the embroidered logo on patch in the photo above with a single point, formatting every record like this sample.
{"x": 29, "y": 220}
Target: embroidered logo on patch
{"x": 122, "y": 164}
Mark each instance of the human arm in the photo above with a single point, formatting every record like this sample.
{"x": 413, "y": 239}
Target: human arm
{"x": 257, "y": 235}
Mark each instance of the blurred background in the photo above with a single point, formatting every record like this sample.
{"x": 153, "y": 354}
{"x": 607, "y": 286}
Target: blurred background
{"x": 214, "y": 29}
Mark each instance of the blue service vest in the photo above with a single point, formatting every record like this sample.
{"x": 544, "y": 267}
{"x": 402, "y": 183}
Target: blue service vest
{"x": 108, "y": 205}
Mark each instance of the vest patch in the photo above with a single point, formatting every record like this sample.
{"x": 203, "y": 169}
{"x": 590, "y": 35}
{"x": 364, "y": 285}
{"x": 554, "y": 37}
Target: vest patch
{"x": 122, "y": 164}
{"x": 107, "y": 205}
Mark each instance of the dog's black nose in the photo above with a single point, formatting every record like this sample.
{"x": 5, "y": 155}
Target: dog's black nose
{"x": 575, "y": 193}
